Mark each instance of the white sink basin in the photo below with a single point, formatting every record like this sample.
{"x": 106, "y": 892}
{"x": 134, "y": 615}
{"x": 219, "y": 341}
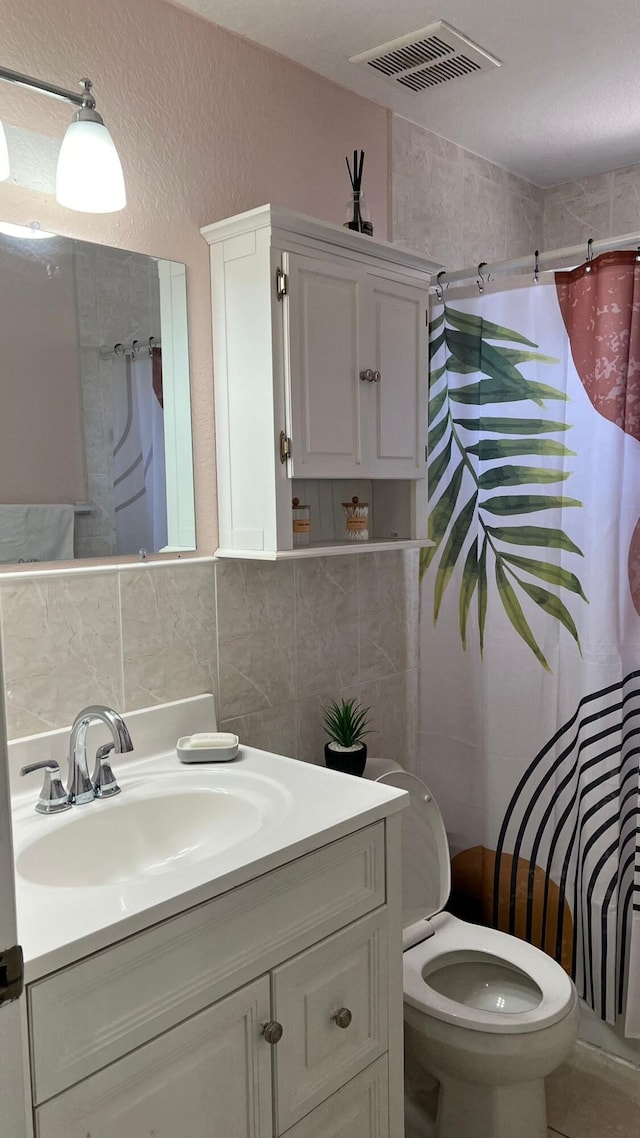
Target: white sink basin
{"x": 177, "y": 835}
{"x": 154, "y": 827}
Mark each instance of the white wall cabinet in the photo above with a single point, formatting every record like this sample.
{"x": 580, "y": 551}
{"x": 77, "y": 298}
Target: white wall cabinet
{"x": 320, "y": 350}
{"x": 164, "y": 1033}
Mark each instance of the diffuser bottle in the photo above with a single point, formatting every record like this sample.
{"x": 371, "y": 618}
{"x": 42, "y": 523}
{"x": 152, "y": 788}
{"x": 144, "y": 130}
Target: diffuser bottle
{"x": 358, "y": 214}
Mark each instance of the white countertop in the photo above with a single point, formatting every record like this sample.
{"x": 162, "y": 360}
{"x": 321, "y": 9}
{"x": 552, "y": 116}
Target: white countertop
{"x": 58, "y": 925}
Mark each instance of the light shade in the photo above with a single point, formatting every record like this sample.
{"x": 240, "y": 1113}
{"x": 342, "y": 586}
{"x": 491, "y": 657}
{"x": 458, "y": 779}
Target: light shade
{"x": 4, "y": 155}
{"x": 89, "y": 176}
{"x": 31, "y": 232}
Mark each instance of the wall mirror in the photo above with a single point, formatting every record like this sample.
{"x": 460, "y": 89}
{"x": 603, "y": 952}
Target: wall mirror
{"x": 95, "y": 429}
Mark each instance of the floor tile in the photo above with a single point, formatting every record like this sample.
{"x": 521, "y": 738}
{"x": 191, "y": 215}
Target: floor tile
{"x": 593, "y": 1096}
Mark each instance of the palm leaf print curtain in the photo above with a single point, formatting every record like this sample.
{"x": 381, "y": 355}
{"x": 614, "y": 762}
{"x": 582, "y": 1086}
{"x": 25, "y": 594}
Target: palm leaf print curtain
{"x": 530, "y": 616}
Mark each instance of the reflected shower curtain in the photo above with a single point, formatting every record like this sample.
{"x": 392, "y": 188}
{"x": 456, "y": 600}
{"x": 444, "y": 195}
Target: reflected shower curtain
{"x": 530, "y": 616}
{"x": 138, "y": 454}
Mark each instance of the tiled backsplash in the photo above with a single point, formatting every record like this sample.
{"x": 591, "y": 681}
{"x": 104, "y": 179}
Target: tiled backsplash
{"x": 272, "y": 640}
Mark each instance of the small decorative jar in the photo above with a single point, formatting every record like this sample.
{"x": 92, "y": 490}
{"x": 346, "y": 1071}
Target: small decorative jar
{"x": 301, "y": 523}
{"x": 356, "y": 520}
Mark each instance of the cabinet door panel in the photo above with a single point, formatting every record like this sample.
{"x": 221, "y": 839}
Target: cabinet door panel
{"x": 323, "y": 322}
{"x": 359, "y": 1110}
{"x": 315, "y": 1056}
{"x": 209, "y": 1077}
{"x": 400, "y": 418}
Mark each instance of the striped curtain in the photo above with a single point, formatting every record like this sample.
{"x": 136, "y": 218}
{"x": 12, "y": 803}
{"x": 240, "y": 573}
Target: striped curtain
{"x": 530, "y": 616}
{"x": 138, "y": 454}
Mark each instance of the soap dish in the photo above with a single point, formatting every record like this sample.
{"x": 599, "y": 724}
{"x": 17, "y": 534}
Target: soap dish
{"x": 222, "y": 752}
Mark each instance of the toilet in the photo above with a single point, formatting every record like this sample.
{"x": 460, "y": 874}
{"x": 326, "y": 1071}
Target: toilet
{"x": 487, "y": 1014}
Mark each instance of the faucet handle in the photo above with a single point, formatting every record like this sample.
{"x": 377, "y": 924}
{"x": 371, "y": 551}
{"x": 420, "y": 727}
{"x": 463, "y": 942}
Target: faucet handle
{"x": 104, "y": 779}
{"x": 53, "y": 796}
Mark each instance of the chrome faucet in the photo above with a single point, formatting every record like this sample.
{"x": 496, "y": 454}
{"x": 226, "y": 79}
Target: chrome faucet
{"x": 82, "y": 787}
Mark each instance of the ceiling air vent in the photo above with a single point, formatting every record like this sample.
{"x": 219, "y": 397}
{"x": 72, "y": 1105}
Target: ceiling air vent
{"x": 427, "y": 57}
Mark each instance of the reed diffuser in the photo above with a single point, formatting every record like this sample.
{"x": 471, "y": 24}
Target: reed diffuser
{"x": 358, "y": 214}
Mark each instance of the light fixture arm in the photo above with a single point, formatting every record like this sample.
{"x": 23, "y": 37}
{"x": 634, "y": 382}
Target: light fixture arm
{"x": 85, "y": 100}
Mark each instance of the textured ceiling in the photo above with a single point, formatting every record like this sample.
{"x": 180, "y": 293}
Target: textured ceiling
{"x": 564, "y": 104}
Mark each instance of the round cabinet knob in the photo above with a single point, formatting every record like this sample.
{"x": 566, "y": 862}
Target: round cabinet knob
{"x": 376, "y": 377}
{"x": 368, "y": 375}
{"x": 272, "y": 1032}
{"x": 342, "y": 1017}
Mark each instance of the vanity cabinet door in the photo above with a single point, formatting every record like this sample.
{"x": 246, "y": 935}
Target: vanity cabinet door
{"x": 396, "y": 405}
{"x": 208, "y": 1078}
{"x": 333, "y": 1006}
{"x": 323, "y": 322}
{"x": 359, "y": 1110}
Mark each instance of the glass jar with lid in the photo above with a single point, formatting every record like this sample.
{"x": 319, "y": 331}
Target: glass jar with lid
{"x": 356, "y": 515}
{"x": 301, "y": 523}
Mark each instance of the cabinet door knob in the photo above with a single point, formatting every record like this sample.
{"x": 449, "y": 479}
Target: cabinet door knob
{"x": 272, "y": 1032}
{"x": 342, "y": 1017}
{"x": 376, "y": 377}
{"x": 368, "y": 375}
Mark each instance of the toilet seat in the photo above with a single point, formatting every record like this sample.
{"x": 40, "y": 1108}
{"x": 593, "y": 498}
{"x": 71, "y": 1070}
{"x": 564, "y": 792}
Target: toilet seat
{"x": 455, "y": 943}
{"x": 518, "y": 975}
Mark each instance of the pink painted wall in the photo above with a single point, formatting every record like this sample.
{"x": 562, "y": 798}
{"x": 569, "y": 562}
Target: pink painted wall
{"x": 207, "y": 125}
{"x": 39, "y": 375}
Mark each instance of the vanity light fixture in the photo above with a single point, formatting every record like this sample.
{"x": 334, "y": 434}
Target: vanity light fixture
{"x": 89, "y": 176}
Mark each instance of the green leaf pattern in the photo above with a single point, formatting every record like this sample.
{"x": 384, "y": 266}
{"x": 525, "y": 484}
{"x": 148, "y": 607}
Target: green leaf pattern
{"x": 468, "y": 528}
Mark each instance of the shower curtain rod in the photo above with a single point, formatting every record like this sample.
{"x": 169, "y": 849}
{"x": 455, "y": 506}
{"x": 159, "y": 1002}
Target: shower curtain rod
{"x": 575, "y": 253}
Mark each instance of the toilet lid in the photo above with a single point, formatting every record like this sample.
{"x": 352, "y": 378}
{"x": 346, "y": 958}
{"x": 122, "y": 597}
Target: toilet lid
{"x": 426, "y": 868}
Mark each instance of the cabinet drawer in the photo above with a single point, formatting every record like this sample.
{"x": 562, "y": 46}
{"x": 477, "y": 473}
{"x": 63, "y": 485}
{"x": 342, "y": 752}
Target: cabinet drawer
{"x": 92, "y": 1013}
{"x": 359, "y": 1110}
{"x": 315, "y": 1056}
{"x": 208, "y": 1077}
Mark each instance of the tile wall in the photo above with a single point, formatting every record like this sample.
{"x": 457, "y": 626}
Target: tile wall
{"x": 273, "y": 641}
{"x": 605, "y": 205}
{"x": 456, "y": 207}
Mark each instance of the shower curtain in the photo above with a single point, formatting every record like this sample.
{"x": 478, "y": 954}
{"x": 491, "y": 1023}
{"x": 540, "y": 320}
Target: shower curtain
{"x": 530, "y": 616}
{"x": 138, "y": 454}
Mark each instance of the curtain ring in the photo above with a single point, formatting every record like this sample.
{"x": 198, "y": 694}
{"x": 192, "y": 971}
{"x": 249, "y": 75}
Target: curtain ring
{"x": 536, "y": 267}
{"x": 152, "y": 344}
{"x": 638, "y": 254}
{"x": 587, "y": 267}
{"x": 438, "y": 288}
{"x": 118, "y": 349}
{"x": 134, "y": 349}
{"x": 480, "y": 281}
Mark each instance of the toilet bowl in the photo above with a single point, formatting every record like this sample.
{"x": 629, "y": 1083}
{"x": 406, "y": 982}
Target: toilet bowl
{"x": 487, "y": 1014}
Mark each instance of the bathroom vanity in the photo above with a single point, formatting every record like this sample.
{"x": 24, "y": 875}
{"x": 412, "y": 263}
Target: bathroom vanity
{"x": 243, "y": 986}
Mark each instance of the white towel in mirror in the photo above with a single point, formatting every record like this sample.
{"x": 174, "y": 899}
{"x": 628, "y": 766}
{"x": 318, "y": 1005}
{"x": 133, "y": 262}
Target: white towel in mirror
{"x": 36, "y": 533}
